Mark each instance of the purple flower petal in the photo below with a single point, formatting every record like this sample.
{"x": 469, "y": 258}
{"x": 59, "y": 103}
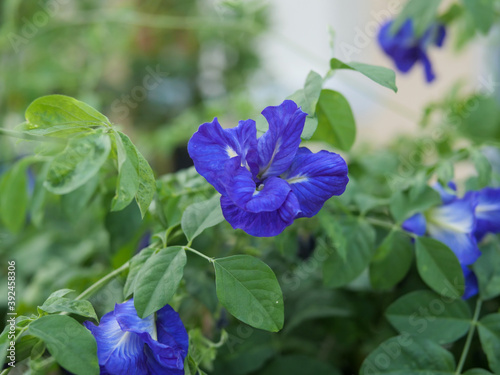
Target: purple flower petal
{"x": 262, "y": 224}
{"x": 471, "y": 284}
{"x": 415, "y": 224}
{"x": 448, "y": 194}
{"x": 211, "y": 147}
{"x": 487, "y": 211}
{"x": 315, "y": 178}
{"x": 278, "y": 146}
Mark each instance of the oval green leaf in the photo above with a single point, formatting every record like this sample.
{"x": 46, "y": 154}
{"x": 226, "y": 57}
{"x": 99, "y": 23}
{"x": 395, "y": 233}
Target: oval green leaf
{"x": 200, "y": 216}
{"x": 249, "y": 290}
{"x": 489, "y": 334}
{"x": 71, "y": 344}
{"x": 158, "y": 280}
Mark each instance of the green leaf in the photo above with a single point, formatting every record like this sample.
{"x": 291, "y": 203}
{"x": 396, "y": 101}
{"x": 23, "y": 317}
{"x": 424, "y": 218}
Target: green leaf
{"x": 79, "y": 162}
{"x": 71, "y": 344}
{"x": 335, "y": 233}
{"x": 77, "y": 200}
{"x": 200, "y": 216}
{"x": 479, "y": 117}
{"x": 483, "y": 168}
{"x": 392, "y": 261}
{"x": 14, "y": 196}
{"x": 158, "y": 280}
{"x": 427, "y": 315}
{"x": 128, "y": 177}
{"x": 147, "y": 184}
{"x": 59, "y": 304}
{"x": 406, "y": 355}
{"x": 405, "y": 204}
{"x": 312, "y": 90}
{"x": 55, "y": 110}
{"x": 379, "y": 74}
{"x": 4, "y": 344}
{"x": 482, "y": 12}
{"x": 249, "y": 290}
{"x": 422, "y": 12}
{"x": 136, "y": 264}
{"x": 336, "y": 124}
{"x": 487, "y": 270}
{"x": 489, "y": 334}
{"x": 445, "y": 172}
{"x": 439, "y": 267}
{"x": 360, "y": 246}
{"x": 310, "y": 127}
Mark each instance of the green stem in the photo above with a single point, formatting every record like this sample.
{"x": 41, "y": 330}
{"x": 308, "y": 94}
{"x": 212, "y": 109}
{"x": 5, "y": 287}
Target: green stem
{"x": 211, "y": 260}
{"x": 381, "y": 223}
{"x": 470, "y": 335}
{"x": 100, "y": 283}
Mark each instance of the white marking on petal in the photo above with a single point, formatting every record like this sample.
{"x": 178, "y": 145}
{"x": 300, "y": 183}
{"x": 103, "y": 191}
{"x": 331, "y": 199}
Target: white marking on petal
{"x": 297, "y": 179}
{"x": 230, "y": 152}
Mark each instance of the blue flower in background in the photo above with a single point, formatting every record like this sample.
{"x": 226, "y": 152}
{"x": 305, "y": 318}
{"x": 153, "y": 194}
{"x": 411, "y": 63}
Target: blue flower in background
{"x": 266, "y": 183}
{"x": 487, "y": 211}
{"x": 405, "y": 48}
{"x": 129, "y": 345}
{"x": 454, "y": 224}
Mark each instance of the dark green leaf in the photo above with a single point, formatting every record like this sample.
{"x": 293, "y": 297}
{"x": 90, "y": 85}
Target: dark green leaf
{"x": 439, "y": 267}
{"x": 54, "y": 110}
{"x": 295, "y": 365}
{"x": 487, "y": 269}
{"x": 200, "y": 216}
{"x": 359, "y": 248}
{"x": 477, "y": 371}
{"x": 136, "y": 264}
{"x": 391, "y": 261}
{"x": 71, "y": 344}
{"x": 405, "y": 204}
{"x": 489, "y": 333}
{"x": 427, "y": 315}
{"x": 379, "y": 74}
{"x": 128, "y": 178}
{"x": 81, "y": 159}
{"x": 336, "y": 124}
{"x": 406, "y": 355}
{"x": 158, "y": 280}
{"x": 249, "y": 290}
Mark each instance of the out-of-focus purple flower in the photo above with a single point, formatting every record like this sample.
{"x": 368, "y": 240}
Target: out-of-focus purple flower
{"x": 266, "y": 183}
{"x": 452, "y": 223}
{"x": 129, "y": 345}
{"x": 487, "y": 211}
{"x": 405, "y": 48}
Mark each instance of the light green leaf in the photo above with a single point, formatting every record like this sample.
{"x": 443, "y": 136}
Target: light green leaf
{"x": 200, "y": 216}
{"x": 249, "y": 290}
{"x": 4, "y": 344}
{"x": 487, "y": 270}
{"x": 405, "y": 204}
{"x": 483, "y": 168}
{"x": 75, "y": 201}
{"x": 147, "y": 184}
{"x": 482, "y": 12}
{"x": 392, "y": 261}
{"x": 128, "y": 178}
{"x": 489, "y": 333}
{"x": 379, "y": 74}
{"x": 439, "y": 267}
{"x": 427, "y": 315}
{"x": 55, "y": 110}
{"x": 59, "y": 304}
{"x": 14, "y": 196}
{"x": 360, "y": 246}
{"x": 336, "y": 124}
{"x": 312, "y": 90}
{"x": 422, "y": 12}
{"x": 72, "y": 345}
{"x": 79, "y": 162}
{"x": 136, "y": 264}
{"x": 310, "y": 127}
{"x": 406, "y": 355}
{"x": 158, "y": 280}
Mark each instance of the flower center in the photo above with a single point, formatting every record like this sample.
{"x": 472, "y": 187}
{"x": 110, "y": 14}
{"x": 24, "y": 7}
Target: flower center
{"x": 259, "y": 187}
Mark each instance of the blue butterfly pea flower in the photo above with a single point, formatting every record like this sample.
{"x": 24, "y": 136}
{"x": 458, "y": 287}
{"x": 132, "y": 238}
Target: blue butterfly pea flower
{"x": 487, "y": 211}
{"x": 405, "y": 48}
{"x": 452, "y": 223}
{"x": 129, "y": 345}
{"x": 266, "y": 183}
